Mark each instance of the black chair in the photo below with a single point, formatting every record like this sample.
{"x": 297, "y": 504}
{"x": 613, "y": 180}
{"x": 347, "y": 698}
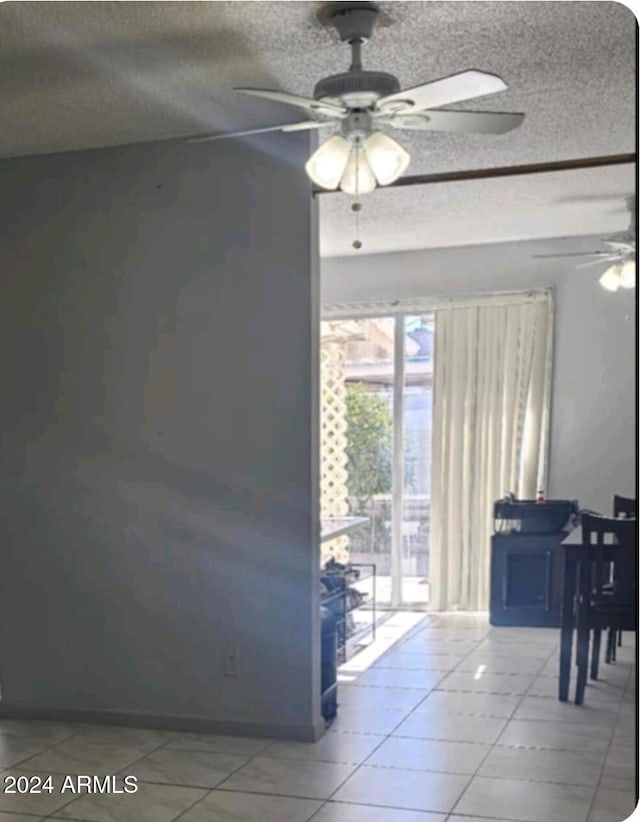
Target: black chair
{"x": 607, "y": 597}
{"x": 624, "y": 507}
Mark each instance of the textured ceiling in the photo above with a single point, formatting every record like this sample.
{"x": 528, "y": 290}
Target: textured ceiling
{"x": 565, "y": 204}
{"x": 80, "y": 75}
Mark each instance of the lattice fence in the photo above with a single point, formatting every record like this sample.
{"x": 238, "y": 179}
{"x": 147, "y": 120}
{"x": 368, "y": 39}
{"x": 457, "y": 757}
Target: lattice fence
{"x": 333, "y": 444}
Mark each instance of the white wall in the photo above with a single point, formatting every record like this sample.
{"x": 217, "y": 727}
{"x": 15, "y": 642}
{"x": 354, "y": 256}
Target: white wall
{"x": 159, "y": 467}
{"x": 593, "y": 436}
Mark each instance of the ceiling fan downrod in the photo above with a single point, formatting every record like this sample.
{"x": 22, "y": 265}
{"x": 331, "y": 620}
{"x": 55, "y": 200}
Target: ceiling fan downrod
{"x": 356, "y": 55}
{"x": 355, "y": 26}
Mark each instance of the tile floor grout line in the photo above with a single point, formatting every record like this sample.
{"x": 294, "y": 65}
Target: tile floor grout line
{"x": 391, "y": 733}
{"x": 208, "y": 790}
{"x": 476, "y": 773}
{"x": 21, "y": 762}
{"x": 163, "y": 745}
{"x": 454, "y": 669}
{"x": 491, "y": 748}
{"x": 220, "y": 784}
{"x": 71, "y": 801}
{"x": 604, "y": 761}
{"x": 382, "y": 742}
{"x": 80, "y": 736}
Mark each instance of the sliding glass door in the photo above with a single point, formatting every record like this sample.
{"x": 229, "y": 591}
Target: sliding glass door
{"x": 376, "y": 447}
{"x": 417, "y": 397}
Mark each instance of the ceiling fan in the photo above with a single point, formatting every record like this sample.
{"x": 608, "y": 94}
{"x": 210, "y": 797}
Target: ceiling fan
{"x": 361, "y": 102}
{"x": 620, "y": 254}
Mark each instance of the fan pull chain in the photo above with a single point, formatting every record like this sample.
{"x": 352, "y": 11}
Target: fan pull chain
{"x": 356, "y": 207}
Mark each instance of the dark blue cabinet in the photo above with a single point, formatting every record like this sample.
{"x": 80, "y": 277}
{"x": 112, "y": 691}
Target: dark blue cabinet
{"x": 526, "y": 579}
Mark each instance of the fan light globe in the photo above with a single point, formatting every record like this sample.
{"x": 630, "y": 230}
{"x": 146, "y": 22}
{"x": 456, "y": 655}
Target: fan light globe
{"x": 327, "y": 165}
{"x": 386, "y": 157}
{"x": 358, "y": 178}
{"x": 611, "y": 278}
{"x": 628, "y": 274}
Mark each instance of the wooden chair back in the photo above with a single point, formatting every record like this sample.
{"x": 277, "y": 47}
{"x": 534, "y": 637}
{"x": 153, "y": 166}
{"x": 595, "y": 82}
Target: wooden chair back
{"x": 624, "y": 507}
{"x": 613, "y": 555}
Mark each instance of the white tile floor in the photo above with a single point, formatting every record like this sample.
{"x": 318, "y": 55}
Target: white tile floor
{"x": 457, "y": 721}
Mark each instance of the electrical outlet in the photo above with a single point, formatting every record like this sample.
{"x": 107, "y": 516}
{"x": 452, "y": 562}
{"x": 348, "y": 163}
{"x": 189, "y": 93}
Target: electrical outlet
{"x": 231, "y": 659}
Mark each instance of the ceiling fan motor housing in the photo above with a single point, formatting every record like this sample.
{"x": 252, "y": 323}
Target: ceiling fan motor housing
{"x": 356, "y": 88}
{"x": 355, "y": 21}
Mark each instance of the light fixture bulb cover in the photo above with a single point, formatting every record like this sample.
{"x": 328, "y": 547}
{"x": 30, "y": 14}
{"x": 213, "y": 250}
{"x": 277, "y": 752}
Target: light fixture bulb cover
{"x": 386, "y": 157}
{"x": 327, "y": 164}
{"x": 611, "y": 278}
{"x": 628, "y": 274}
{"x": 358, "y": 178}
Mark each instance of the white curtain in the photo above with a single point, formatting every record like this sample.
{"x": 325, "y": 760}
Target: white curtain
{"x": 490, "y": 429}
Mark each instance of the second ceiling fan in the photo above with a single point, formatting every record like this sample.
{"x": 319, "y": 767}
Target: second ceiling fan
{"x": 360, "y": 102}
{"x": 619, "y": 255}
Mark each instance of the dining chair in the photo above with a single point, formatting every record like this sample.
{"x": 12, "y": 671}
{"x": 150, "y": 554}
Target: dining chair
{"x": 622, "y": 507}
{"x": 607, "y": 597}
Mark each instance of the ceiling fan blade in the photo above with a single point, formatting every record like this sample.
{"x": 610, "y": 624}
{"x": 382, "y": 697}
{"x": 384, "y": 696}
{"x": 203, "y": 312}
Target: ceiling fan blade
{"x": 600, "y": 261}
{"x": 308, "y": 124}
{"x": 461, "y": 122}
{"x": 619, "y": 246}
{"x": 330, "y": 109}
{"x": 576, "y": 254}
{"x": 463, "y": 86}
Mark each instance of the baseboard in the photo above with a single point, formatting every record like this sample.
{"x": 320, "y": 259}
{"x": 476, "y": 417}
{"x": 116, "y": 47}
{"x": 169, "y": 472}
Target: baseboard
{"x": 186, "y": 724}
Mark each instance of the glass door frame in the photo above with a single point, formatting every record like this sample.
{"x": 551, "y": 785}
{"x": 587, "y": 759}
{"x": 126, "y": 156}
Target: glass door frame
{"x": 397, "y": 460}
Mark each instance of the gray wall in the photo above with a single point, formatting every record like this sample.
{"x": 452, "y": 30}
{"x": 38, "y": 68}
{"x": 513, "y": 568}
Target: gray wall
{"x": 593, "y": 435}
{"x": 159, "y": 468}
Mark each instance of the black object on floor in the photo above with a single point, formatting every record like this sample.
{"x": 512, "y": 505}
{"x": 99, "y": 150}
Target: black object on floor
{"x": 328, "y": 664}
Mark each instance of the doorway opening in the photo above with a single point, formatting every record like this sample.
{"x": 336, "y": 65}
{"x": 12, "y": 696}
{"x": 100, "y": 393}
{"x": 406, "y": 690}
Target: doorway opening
{"x": 377, "y": 397}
